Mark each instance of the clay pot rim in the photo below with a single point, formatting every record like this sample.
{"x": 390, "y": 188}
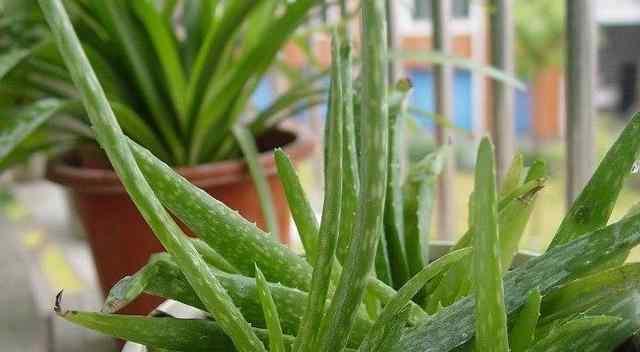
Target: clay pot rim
{"x": 104, "y": 181}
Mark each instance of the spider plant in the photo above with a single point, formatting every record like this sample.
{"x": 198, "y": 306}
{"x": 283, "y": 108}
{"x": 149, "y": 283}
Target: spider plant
{"x": 259, "y": 295}
{"x": 178, "y": 74}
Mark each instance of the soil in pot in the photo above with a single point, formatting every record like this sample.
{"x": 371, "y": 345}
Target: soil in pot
{"x": 121, "y": 241}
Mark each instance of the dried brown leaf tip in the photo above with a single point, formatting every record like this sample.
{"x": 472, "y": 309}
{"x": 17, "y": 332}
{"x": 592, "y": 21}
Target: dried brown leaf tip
{"x": 58, "y": 304}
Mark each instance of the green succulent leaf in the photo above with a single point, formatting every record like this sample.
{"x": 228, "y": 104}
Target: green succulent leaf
{"x": 491, "y": 318}
{"x": 271, "y": 316}
{"x": 522, "y": 332}
{"x": 576, "y": 335}
{"x": 594, "y": 205}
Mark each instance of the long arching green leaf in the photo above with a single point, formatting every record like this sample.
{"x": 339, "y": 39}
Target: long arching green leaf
{"x": 11, "y": 59}
{"x": 457, "y": 61}
{"x": 209, "y": 54}
{"x": 131, "y": 38}
{"x": 18, "y": 124}
{"x": 165, "y": 44}
{"x": 113, "y": 140}
{"x": 220, "y": 96}
{"x": 249, "y": 149}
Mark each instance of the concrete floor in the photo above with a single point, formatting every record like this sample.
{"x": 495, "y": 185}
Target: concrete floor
{"x": 42, "y": 253}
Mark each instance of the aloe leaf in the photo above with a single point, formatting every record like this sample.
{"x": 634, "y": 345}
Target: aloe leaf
{"x": 388, "y": 334}
{"x": 18, "y": 124}
{"x": 435, "y": 57}
{"x": 513, "y": 178}
{"x": 165, "y": 45}
{"x": 419, "y": 191}
{"x": 350, "y": 176}
{"x": 382, "y": 264}
{"x": 513, "y": 218}
{"x": 240, "y": 242}
{"x": 491, "y": 318}
{"x": 162, "y": 277}
{"x": 11, "y": 59}
{"x": 276, "y": 337}
{"x": 330, "y": 224}
{"x": 114, "y": 142}
{"x": 250, "y": 151}
{"x": 595, "y": 203}
{"x": 307, "y": 224}
{"x": 212, "y": 257}
{"x": 522, "y": 333}
{"x": 579, "y": 296}
{"x": 338, "y": 321}
{"x": 301, "y": 210}
{"x": 173, "y": 334}
{"x": 393, "y": 213}
{"x": 453, "y": 325}
{"x": 575, "y": 335}
{"x": 404, "y": 296}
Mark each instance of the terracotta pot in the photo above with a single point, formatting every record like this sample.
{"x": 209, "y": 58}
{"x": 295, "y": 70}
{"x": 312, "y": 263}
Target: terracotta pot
{"x": 182, "y": 311}
{"x": 120, "y": 239}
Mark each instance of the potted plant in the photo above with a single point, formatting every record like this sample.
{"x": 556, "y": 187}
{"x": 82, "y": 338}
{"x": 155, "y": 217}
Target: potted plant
{"x": 256, "y": 294}
{"x": 180, "y": 76}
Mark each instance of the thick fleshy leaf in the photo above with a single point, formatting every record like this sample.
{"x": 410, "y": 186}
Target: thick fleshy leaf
{"x": 329, "y": 231}
{"x": 576, "y": 335}
{"x": 490, "y": 315}
{"x": 271, "y": 316}
{"x": 595, "y": 203}
{"x": 523, "y": 330}
{"x": 403, "y": 297}
{"x": 453, "y": 325}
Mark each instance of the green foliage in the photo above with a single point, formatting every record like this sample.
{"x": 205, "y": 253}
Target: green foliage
{"x": 575, "y": 296}
{"x": 169, "y": 80}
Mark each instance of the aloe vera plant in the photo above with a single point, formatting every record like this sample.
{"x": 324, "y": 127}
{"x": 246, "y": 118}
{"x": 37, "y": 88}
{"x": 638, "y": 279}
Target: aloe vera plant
{"x": 164, "y": 67}
{"x": 258, "y": 295}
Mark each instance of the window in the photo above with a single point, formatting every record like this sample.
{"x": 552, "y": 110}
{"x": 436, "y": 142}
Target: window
{"x": 422, "y": 9}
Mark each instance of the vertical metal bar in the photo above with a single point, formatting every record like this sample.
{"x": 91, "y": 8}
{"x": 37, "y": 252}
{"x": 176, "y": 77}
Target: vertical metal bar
{"x": 502, "y": 108}
{"x": 579, "y": 94}
{"x": 443, "y": 79}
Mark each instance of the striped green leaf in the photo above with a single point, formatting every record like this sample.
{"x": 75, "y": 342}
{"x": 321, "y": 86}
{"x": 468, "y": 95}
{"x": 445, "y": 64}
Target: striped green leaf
{"x": 16, "y": 125}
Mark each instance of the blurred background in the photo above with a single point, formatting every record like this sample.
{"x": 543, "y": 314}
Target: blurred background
{"x": 580, "y": 85}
